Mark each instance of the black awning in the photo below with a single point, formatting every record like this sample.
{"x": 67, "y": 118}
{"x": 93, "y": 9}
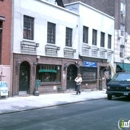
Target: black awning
{"x": 2, "y": 18}
{"x": 60, "y": 3}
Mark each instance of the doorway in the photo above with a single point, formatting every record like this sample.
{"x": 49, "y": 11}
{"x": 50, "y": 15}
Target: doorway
{"x": 71, "y": 75}
{"x": 24, "y": 77}
{"x": 102, "y": 79}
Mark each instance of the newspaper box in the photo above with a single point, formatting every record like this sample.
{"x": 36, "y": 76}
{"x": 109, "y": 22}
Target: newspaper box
{"x": 3, "y": 88}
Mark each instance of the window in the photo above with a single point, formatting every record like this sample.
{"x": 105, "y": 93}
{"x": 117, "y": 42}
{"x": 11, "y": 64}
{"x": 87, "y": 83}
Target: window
{"x": 102, "y": 42}
{"x": 109, "y": 41}
{"x": 94, "y": 37}
{"x": 121, "y": 77}
{"x": 121, "y": 51}
{"x": 122, "y": 19}
{"x": 85, "y": 34}
{"x": 69, "y": 37}
{"x": 28, "y": 31}
{"x": 51, "y": 30}
{"x": 89, "y": 74}
{"x": 122, "y": 8}
{"x": 49, "y": 73}
{"x": 122, "y": 27}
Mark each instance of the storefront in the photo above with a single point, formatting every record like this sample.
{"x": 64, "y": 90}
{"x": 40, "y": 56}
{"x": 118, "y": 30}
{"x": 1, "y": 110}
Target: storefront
{"x": 52, "y": 73}
{"x": 50, "y": 76}
{"x": 89, "y": 74}
{"x": 93, "y": 72}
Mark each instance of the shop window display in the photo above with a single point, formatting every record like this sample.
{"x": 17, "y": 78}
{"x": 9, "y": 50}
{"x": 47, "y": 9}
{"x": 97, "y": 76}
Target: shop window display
{"x": 49, "y": 73}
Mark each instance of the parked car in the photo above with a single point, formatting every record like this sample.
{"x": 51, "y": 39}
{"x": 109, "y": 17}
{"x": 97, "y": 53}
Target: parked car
{"x": 119, "y": 85}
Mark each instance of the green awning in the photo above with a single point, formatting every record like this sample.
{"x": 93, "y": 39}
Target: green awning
{"x": 47, "y": 70}
{"x": 124, "y": 66}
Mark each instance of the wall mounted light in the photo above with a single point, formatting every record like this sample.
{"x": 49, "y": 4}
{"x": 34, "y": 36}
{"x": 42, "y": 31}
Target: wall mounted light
{"x": 58, "y": 67}
{"x": 35, "y": 63}
{"x": 18, "y": 63}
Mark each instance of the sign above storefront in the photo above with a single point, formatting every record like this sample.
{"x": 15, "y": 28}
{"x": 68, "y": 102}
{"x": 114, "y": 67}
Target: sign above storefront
{"x": 47, "y": 70}
{"x": 90, "y": 64}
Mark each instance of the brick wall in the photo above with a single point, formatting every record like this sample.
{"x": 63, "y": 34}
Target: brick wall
{"x": 44, "y": 88}
{"x": 5, "y": 10}
{"x": 106, "y": 6}
{"x": 110, "y": 7}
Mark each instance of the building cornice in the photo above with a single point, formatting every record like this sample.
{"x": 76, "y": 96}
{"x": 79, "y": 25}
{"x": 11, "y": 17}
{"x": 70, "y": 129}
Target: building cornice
{"x": 56, "y": 6}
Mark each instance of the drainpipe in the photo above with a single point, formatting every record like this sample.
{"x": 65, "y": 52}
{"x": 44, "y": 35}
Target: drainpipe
{"x": 11, "y": 51}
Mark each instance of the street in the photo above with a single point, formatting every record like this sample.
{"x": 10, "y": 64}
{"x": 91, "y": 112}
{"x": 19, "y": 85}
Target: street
{"x": 90, "y": 115}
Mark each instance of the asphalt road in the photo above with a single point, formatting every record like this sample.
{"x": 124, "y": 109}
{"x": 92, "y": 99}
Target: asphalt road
{"x": 90, "y": 115}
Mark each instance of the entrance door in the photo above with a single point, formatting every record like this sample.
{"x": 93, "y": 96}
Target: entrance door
{"x": 24, "y": 77}
{"x": 71, "y": 75}
{"x": 102, "y": 78}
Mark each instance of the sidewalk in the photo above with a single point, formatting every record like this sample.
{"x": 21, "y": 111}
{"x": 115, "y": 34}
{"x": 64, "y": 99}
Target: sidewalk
{"x": 15, "y": 104}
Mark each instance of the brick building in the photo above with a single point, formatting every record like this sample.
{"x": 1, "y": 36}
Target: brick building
{"x": 5, "y": 41}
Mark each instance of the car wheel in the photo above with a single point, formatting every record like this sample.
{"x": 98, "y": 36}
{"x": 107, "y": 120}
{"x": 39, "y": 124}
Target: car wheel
{"x": 109, "y": 97}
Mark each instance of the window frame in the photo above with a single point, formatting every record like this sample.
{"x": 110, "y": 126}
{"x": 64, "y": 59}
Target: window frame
{"x": 102, "y": 40}
{"x": 85, "y": 34}
{"x": 68, "y": 40}
{"x": 55, "y": 77}
{"x": 121, "y": 51}
{"x": 28, "y": 31}
{"x": 94, "y": 37}
{"x": 51, "y": 32}
{"x": 109, "y": 41}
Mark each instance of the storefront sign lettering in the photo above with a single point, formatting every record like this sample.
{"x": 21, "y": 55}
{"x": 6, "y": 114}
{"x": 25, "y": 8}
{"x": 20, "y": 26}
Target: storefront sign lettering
{"x": 90, "y": 64}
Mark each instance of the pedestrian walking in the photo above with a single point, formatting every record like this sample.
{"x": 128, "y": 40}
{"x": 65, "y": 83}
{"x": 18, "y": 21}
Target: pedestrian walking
{"x": 78, "y": 81}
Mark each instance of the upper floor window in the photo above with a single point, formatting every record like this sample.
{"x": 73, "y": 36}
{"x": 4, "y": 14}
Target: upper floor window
{"x": 121, "y": 51}
{"x": 69, "y": 37}
{"x": 102, "y": 41}
{"x": 85, "y": 34}
{"x": 51, "y": 30}
{"x": 109, "y": 41}
{"x": 122, "y": 8}
{"x": 94, "y": 37}
{"x": 28, "y": 32}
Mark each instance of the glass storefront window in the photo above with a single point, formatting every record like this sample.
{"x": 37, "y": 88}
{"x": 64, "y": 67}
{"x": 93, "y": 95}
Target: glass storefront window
{"x": 89, "y": 74}
{"x": 49, "y": 73}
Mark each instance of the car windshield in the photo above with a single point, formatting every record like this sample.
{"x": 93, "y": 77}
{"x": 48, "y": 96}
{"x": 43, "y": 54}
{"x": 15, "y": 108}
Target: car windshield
{"x": 121, "y": 77}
